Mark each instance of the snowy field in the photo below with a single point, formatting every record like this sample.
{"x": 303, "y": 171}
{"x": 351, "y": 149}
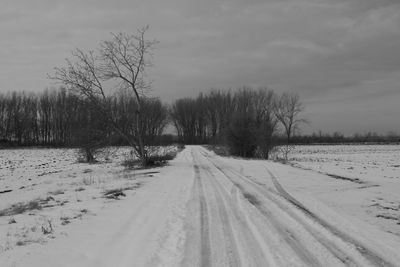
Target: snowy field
{"x": 44, "y": 190}
{"x": 337, "y": 206}
{"x": 370, "y": 175}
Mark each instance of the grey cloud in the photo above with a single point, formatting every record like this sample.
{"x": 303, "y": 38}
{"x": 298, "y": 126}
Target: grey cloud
{"x": 314, "y": 47}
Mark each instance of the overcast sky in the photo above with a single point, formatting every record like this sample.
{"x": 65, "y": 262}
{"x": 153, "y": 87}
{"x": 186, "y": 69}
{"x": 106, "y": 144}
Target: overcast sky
{"x": 341, "y": 56}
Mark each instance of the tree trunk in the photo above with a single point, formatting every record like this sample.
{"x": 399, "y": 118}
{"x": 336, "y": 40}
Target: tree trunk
{"x": 142, "y": 152}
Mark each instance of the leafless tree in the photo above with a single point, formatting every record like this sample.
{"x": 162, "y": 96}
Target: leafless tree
{"x": 120, "y": 63}
{"x": 266, "y": 121}
{"x": 287, "y": 109}
{"x": 124, "y": 59}
{"x": 184, "y": 114}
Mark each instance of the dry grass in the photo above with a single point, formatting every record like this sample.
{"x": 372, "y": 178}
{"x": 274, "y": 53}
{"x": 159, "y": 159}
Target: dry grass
{"x": 159, "y": 160}
{"x": 131, "y": 163}
{"x": 65, "y": 220}
{"x": 88, "y": 180}
{"x": 47, "y": 228}
{"x": 79, "y": 189}
{"x": 116, "y": 193}
{"x": 36, "y": 204}
{"x": 22, "y": 207}
{"x": 157, "y": 157}
{"x": 56, "y": 192}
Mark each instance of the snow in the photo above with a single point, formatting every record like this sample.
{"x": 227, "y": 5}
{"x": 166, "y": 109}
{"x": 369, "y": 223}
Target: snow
{"x": 344, "y": 234}
{"x": 203, "y": 209}
{"x": 69, "y": 194}
{"x": 375, "y": 169}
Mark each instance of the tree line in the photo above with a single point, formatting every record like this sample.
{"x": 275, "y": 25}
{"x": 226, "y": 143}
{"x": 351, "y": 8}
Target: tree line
{"x": 61, "y": 118}
{"x": 246, "y": 120}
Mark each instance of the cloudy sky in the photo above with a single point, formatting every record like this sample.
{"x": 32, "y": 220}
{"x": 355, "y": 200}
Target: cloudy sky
{"x": 341, "y": 56}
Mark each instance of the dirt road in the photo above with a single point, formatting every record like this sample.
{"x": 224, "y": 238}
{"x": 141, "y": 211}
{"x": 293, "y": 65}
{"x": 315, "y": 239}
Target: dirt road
{"x": 239, "y": 222}
{"x": 205, "y": 210}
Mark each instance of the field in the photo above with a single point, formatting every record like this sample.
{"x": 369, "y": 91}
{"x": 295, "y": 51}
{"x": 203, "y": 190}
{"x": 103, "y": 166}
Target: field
{"x": 44, "y": 190}
{"x": 330, "y": 206}
{"x": 372, "y": 173}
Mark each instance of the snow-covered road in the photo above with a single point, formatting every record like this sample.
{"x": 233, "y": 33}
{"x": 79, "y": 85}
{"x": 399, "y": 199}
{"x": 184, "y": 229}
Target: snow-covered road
{"x": 238, "y": 221}
{"x": 205, "y": 210}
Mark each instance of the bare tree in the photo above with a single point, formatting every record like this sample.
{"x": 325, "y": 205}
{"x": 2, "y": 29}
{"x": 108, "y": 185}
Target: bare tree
{"x": 184, "y": 114}
{"x": 266, "y": 120}
{"x": 287, "y": 111}
{"x": 124, "y": 59}
{"x": 120, "y": 63}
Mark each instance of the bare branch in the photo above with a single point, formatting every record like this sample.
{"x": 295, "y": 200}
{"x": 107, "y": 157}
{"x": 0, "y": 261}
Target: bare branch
{"x": 287, "y": 109}
{"x": 121, "y": 62}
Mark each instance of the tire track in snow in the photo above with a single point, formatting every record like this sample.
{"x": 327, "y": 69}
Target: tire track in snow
{"x": 205, "y": 244}
{"x": 249, "y": 248}
{"x": 367, "y": 253}
{"x": 233, "y": 242}
{"x": 290, "y": 237}
{"x": 329, "y": 245}
{"x": 229, "y": 237}
{"x": 371, "y": 257}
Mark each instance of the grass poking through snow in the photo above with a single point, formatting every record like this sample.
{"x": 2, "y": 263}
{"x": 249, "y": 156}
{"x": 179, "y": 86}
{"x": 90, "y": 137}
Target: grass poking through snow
{"x": 22, "y": 207}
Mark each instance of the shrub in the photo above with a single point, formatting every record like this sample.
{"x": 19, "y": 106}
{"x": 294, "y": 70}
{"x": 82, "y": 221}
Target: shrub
{"x": 130, "y": 163}
{"x": 241, "y": 136}
{"x": 181, "y": 146}
{"x": 157, "y": 157}
{"x": 114, "y": 193}
{"x": 159, "y": 160}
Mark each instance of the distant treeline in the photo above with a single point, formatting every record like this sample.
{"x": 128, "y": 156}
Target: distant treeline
{"x": 339, "y": 138}
{"x": 59, "y": 118}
